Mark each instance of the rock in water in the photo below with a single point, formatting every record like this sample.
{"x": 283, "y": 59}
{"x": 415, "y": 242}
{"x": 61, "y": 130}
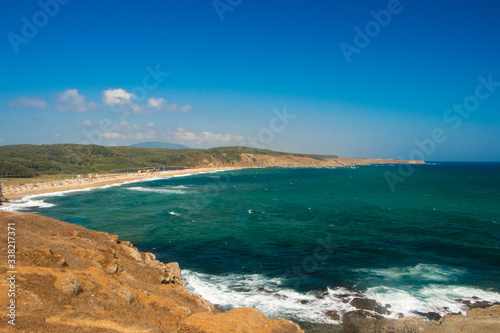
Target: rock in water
{"x": 2, "y": 198}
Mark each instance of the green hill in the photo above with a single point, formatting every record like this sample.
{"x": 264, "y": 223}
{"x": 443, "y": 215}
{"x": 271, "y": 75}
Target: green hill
{"x": 32, "y": 160}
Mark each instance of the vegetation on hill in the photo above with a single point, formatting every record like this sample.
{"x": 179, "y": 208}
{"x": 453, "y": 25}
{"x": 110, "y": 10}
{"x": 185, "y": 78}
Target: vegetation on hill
{"x": 32, "y": 160}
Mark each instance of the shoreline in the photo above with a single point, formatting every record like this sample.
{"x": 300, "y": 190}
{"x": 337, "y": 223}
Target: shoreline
{"x": 64, "y": 184}
{"x": 62, "y": 278}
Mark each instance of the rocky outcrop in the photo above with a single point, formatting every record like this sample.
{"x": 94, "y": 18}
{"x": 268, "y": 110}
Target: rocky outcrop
{"x": 476, "y": 321}
{"x": 71, "y": 279}
{"x": 2, "y": 198}
{"x": 239, "y": 320}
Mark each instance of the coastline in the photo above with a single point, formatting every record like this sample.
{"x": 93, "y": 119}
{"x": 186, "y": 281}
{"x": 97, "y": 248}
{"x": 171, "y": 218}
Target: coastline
{"x": 64, "y": 184}
{"x": 75, "y": 278}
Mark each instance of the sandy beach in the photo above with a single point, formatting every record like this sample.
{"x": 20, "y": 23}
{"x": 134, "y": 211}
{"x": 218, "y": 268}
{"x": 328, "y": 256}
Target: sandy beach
{"x": 95, "y": 180}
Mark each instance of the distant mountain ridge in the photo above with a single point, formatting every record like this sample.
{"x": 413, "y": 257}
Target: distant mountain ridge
{"x": 158, "y": 144}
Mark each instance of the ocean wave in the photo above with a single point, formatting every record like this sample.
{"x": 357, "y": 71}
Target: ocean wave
{"x": 156, "y": 190}
{"x": 420, "y": 272}
{"x": 25, "y": 204}
{"x": 442, "y": 299}
{"x": 270, "y": 297}
{"x": 266, "y": 295}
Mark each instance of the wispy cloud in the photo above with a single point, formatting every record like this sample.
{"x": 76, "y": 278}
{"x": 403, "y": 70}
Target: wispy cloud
{"x": 205, "y": 137}
{"x": 162, "y": 104}
{"x": 72, "y": 101}
{"x": 28, "y": 102}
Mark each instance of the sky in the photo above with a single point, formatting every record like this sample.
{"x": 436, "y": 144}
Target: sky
{"x": 408, "y": 79}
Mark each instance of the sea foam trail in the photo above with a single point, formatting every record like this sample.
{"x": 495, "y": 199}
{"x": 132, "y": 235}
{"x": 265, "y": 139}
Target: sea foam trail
{"x": 270, "y": 297}
{"x": 156, "y": 190}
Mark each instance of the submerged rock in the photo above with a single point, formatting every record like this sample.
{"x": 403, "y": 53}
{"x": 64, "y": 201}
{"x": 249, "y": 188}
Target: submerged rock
{"x": 369, "y": 304}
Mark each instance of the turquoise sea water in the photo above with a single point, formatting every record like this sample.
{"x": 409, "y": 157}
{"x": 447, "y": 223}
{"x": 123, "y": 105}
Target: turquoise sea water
{"x": 296, "y": 243}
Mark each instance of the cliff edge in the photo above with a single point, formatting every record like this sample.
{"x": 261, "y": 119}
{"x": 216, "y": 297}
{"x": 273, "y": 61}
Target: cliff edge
{"x": 71, "y": 279}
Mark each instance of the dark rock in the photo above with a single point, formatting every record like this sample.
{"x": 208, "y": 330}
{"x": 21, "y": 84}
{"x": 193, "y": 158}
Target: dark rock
{"x": 482, "y": 305}
{"x": 358, "y": 322}
{"x": 321, "y": 294}
{"x": 429, "y": 315}
{"x": 269, "y": 291}
{"x": 433, "y": 316}
{"x": 369, "y": 304}
{"x": 333, "y": 315}
{"x": 280, "y": 296}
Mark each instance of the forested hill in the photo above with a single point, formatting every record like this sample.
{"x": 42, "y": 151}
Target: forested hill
{"x": 33, "y": 160}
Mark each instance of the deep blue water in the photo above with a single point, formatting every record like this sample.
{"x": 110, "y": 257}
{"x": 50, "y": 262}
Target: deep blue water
{"x": 298, "y": 242}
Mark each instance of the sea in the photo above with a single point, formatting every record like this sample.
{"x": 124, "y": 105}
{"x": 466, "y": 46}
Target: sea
{"x": 298, "y": 243}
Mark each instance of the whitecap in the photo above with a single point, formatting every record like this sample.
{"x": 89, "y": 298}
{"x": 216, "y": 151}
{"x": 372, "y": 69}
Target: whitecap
{"x": 267, "y": 295}
{"x": 156, "y": 190}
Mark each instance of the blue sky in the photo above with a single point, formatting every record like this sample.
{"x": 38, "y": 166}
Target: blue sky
{"x": 293, "y": 76}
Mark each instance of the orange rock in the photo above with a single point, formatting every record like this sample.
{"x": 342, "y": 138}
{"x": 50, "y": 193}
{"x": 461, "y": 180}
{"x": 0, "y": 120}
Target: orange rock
{"x": 242, "y": 320}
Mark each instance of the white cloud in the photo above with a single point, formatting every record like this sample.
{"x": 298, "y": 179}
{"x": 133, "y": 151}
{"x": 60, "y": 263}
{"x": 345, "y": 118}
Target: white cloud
{"x": 184, "y": 135}
{"x": 87, "y": 122}
{"x": 113, "y": 135}
{"x": 117, "y": 96}
{"x": 125, "y": 126}
{"x": 151, "y": 125}
{"x": 28, "y": 102}
{"x": 72, "y": 101}
{"x": 156, "y": 102}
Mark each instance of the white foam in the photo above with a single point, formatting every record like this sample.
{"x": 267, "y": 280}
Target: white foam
{"x": 420, "y": 272}
{"x": 266, "y": 295}
{"x": 174, "y": 213}
{"x": 442, "y": 299}
{"x": 270, "y": 297}
{"x": 156, "y": 190}
{"x": 25, "y": 204}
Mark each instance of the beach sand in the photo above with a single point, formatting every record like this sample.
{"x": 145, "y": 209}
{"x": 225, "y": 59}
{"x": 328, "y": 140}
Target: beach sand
{"x": 13, "y": 192}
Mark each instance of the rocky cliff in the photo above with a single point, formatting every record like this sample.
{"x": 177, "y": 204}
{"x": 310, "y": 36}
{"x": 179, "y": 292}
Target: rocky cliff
{"x": 71, "y": 279}
{"x": 292, "y": 161}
